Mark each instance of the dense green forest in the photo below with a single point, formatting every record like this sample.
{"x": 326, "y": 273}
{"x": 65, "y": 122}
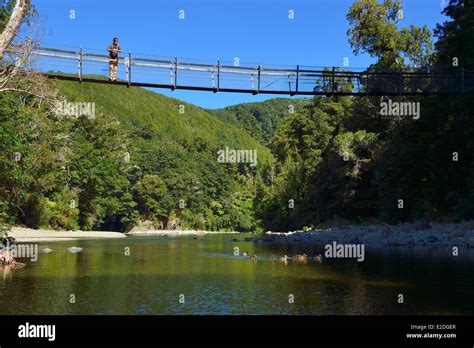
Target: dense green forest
{"x": 143, "y": 156}
{"x": 322, "y": 160}
{"x": 341, "y": 160}
{"x": 262, "y": 119}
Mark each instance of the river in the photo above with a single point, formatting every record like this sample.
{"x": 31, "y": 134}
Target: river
{"x": 201, "y": 275}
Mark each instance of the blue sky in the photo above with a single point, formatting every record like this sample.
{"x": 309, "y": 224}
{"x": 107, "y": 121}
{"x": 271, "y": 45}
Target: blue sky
{"x": 256, "y": 31}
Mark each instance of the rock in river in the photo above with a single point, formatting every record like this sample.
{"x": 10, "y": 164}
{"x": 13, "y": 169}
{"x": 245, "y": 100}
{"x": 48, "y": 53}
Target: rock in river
{"x": 74, "y": 250}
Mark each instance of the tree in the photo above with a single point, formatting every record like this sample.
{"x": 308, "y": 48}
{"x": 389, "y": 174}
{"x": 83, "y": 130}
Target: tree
{"x": 150, "y": 194}
{"x": 419, "y": 163}
{"x": 10, "y": 30}
{"x": 373, "y": 30}
{"x": 455, "y": 36}
{"x": 15, "y": 75}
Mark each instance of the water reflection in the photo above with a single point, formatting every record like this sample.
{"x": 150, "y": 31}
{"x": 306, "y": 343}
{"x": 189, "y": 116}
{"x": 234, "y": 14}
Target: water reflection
{"x": 213, "y": 280}
{"x": 6, "y": 271}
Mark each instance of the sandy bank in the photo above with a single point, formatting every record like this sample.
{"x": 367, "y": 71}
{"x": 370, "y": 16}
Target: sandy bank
{"x": 172, "y": 233}
{"x": 23, "y": 234}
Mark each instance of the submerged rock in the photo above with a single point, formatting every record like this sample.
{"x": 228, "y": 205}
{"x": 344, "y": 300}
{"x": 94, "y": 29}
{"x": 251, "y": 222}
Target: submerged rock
{"x": 74, "y": 250}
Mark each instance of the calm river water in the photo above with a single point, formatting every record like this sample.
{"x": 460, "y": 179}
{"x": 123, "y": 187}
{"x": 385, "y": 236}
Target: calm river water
{"x": 186, "y": 275}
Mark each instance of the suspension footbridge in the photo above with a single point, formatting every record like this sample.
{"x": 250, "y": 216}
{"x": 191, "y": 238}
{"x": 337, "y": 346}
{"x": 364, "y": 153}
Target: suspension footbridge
{"x": 91, "y": 65}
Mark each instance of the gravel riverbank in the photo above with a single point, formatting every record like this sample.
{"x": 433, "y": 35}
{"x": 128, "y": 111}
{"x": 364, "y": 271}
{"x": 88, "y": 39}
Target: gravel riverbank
{"x": 401, "y": 235}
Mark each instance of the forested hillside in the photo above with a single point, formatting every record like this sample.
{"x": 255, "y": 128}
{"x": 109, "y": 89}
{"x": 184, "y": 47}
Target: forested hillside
{"x": 142, "y": 157}
{"x": 261, "y": 120}
{"x": 341, "y": 160}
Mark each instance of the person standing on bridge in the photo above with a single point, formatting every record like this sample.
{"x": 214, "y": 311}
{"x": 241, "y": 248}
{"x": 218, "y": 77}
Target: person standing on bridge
{"x": 114, "y": 49}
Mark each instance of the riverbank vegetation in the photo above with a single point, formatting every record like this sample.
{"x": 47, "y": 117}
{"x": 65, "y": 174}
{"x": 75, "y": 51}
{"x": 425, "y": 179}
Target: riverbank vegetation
{"x": 340, "y": 160}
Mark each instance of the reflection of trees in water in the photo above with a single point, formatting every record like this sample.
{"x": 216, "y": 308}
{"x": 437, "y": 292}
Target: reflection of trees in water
{"x": 6, "y": 271}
